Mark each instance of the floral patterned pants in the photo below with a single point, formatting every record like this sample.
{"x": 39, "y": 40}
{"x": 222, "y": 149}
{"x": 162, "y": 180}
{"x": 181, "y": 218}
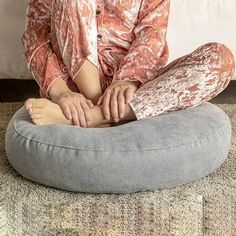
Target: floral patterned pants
{"x": 185, "y": 82}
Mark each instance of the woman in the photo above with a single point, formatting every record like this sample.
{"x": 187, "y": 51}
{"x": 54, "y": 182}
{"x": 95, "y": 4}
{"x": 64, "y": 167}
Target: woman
{"x": 99, "y": 62}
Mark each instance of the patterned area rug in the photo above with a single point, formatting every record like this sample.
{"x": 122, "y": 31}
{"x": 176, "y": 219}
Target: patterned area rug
{"x": 203, "y": 207}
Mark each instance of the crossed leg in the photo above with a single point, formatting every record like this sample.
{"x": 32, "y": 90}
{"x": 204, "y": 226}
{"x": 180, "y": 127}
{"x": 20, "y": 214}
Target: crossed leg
{"x": 186, "y": 82}
{"x": 43, "y": 111}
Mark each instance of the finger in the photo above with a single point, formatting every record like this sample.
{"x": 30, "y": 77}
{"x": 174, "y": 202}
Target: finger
{"x": 81, "y": 115}
{"x": 90, "y": 103}
{"x": 121, "y": 103}
{"x": 74, "y": 115}
{"x": 114, "y": 105}
{"x": 106, "y": 102}
{"x": 66, "y": 110}
{"x": 100, "y": 100}
{"x": 87, "y": 112}
{"x": 129, "y": 95}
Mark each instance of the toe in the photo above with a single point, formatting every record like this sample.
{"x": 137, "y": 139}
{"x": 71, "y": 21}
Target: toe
{"x": 36, "y": 110}
{"x": 37, "y": 121}
{"x": 35, "y": 116}
{"x": 39, "y": 103}
{"x": 28, "y": 103}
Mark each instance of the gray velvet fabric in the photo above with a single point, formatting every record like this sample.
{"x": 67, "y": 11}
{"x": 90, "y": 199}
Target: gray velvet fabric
{"x": 154, "y": 153}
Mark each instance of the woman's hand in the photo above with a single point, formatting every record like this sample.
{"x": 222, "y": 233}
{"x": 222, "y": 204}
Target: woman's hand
{"x": 115, "y": 97}
{"x": 76, "y": 107}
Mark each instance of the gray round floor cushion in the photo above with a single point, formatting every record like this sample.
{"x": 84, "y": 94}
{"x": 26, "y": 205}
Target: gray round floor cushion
{"x": 154, "y": 153}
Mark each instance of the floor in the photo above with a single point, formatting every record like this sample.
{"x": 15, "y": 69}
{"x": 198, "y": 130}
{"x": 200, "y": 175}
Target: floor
{"x": 12, "y": 90}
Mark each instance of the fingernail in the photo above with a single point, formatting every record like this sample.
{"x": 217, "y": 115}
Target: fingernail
{"x": 121, "y": 115}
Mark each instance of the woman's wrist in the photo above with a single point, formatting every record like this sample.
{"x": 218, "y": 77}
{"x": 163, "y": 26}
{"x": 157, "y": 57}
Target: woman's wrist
{"x": 57, "y": 88}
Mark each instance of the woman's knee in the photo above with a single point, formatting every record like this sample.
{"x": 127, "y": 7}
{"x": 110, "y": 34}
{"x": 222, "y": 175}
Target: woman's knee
{"x": 223, "y": 65}
{"x": 218, "y": 61}
{"x": 217, "y": 57}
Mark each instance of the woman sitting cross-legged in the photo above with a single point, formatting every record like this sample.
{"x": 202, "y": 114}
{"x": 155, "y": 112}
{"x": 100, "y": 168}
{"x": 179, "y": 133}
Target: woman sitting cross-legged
{"x": 102, "y": 62}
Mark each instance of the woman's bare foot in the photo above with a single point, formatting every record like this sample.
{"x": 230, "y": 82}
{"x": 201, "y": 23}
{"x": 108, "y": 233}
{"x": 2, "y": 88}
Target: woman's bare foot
{"x": 43, "y": 111}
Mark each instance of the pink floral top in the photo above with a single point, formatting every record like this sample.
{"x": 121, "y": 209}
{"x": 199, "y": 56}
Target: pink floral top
{"x": 134, "y": 31}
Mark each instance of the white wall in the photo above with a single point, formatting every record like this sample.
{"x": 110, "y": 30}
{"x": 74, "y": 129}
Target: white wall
{"x": 195, "y": 22}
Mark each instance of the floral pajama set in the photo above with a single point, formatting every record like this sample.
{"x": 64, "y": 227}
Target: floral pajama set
{"x": 126, "y": 41}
